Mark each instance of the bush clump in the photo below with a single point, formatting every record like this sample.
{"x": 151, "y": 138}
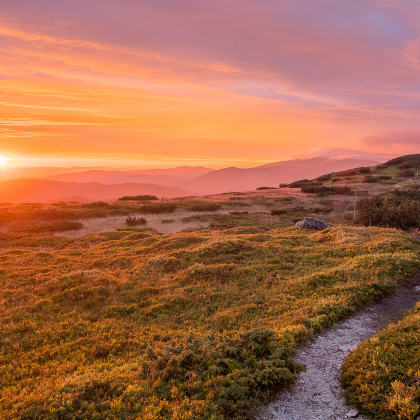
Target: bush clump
{"x": 323, "y": 190}
{"x": 398, "y": 209}
{"x": 146, "y": 197}
{"x": 324, "y": 178}
{"x": 407, "y": 173}
{"x": 408, "y": 161}
{"x": 202, "y": 206}
{"x": 300, "y": 183}
{"x": 135, "y": 221}
{"x": 371, "y": 179}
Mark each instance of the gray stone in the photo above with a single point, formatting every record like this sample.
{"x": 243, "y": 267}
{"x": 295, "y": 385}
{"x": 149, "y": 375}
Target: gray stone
{"x": 352, "y": 414}
{"x": 312, "y": 224}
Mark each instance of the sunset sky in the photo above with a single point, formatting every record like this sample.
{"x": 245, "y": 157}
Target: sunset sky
{"x": 215, "y": 83}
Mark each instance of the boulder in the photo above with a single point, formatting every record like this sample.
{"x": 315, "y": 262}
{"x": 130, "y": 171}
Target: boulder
{"x": 312, "y": 224}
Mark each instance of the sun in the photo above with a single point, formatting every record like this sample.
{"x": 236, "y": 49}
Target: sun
{"x": 3, "y": 160}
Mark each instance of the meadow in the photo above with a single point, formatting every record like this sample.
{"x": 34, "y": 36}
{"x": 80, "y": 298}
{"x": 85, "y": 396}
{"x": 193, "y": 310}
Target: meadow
{"x": 133, "y": 324}
{"x": 203, "y": 323}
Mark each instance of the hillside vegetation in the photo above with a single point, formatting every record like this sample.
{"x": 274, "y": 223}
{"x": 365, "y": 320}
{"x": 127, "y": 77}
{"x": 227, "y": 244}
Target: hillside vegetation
{"x": 132, "y": 324}
{"x": 382, "y": 375}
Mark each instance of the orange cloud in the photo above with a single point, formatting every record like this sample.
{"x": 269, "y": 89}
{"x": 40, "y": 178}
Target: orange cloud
{"x": 204, "y": 81}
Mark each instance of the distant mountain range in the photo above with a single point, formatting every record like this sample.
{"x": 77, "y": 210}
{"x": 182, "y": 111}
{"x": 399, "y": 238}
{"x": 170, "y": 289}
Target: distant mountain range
{"x": 103, "y": 184}
{"x": 166, "y": 177}
{"x": 36, "y": 190}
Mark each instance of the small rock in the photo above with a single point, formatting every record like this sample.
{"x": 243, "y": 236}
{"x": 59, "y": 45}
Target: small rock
{"x": 312, "y": 224}
{"x": 417, "y": 289}
{"x": 352, "y": 414}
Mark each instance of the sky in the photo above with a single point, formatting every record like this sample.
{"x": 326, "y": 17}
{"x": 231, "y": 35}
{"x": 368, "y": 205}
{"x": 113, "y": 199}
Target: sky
{"x": 159, "y": 83}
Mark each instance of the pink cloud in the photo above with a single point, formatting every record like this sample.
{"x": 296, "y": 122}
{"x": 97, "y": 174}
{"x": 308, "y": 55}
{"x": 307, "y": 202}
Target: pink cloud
{"x": 400, "y": 142}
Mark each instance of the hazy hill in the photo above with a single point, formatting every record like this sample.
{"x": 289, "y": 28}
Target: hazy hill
{"x": 7, "y": 173}
{"x": 235, "y": 179}
{"x": 152, "y": 176}
{"x": 33, "y": 190}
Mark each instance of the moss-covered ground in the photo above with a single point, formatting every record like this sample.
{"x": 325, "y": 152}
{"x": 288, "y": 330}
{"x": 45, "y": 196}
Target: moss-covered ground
{"x": 133, "y": 324}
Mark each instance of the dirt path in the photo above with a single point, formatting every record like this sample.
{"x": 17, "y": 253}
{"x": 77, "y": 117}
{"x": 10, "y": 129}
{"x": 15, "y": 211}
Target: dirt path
{"x": 317, "y": 395}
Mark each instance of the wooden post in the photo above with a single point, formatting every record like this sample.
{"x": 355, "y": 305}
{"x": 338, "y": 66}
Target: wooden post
{"x": 355, "y": 198}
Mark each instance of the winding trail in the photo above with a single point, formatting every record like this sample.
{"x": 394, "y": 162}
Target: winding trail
{"x": 317, "y": 395}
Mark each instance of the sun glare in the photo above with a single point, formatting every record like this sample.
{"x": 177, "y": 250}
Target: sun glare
{"x": 3, "y": 160}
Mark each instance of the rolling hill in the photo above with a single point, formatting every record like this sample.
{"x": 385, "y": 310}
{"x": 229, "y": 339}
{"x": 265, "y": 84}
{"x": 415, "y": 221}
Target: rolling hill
{"x": 270, "y": 175}
{"x": 165, "y": 177}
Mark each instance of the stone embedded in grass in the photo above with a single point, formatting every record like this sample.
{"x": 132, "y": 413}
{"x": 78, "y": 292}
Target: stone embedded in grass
{"x": 352, "y": 414}
{"x": 312, "y": 224}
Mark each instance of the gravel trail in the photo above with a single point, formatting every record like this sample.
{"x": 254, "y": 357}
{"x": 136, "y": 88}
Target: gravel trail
{"x": 317, "y": 395}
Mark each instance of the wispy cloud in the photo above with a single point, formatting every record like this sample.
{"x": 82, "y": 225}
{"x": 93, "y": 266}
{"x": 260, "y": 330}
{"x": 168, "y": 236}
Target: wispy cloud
{"x": 210, "y": 79}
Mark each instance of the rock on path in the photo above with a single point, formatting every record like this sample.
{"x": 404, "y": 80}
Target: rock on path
{"x": 317, "y": 395}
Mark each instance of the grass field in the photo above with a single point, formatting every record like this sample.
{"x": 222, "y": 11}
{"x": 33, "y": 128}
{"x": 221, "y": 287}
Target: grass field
{"x": 131, "y": 324}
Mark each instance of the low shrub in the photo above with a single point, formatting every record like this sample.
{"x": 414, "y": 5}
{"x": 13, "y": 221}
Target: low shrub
{"x": 324, "y": 189}
{"x": 300, "y": 183}
{"x": 324, "y": 178}
{"x": 138, "y": 198}
{"x": 407, "y": 173}
{"x": 395, "y": 209}
{"x": 266, "y": 188}
{"x": 370, "y": 179}
{"x": 135, "y": 221}
{"x": 202, "y": 206}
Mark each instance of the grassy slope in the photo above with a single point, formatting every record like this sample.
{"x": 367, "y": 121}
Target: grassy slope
{"x": 134, "y": 325}
{"x": 382, "y": 375}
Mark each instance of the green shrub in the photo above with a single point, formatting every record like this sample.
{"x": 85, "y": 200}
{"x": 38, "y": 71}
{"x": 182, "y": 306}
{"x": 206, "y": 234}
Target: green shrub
{"x": 396, "y": 209}
{"x": 266, "y": 188}
{"x": 323, "y": 190}
{"x": 370, "y": 179}
{"x": 324, "y": 178}
{"x": 300, "y": 183}
{"x": 407, "y": 173}
{"x": 138, "y": 198}
{"x": 202, "y": 206}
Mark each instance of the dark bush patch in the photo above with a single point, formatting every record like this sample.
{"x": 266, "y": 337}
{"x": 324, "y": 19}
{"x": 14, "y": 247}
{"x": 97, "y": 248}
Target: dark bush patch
{"x": 323, "y": 190}
{"x": 407, "y": 173}
{"x": 396, "y": 209}
{"x": 324, "y": 178}
{"x": 138, "y": 198}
